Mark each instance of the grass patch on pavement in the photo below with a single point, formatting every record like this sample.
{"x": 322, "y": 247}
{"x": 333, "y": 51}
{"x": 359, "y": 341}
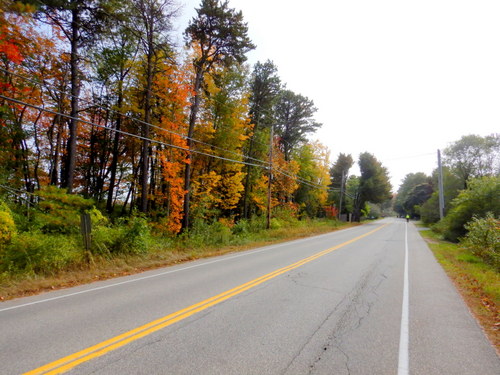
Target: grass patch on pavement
{"x": 477, "y": 282}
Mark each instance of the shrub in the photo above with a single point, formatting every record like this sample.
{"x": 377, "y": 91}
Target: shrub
{"x": 127, "y": 237}
{"x": 59, "y": 212}
{"x": 208, "y": 234}
{"x": 480, "y": 198}
{"x": 40, "y": 253}
{"x": 7, "y": 225}
{"x": 483, "y": 239}
{"x": 429, "y": 211}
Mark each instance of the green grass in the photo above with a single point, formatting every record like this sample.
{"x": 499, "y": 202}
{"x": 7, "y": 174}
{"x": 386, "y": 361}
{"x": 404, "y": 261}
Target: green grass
{"x": 477, "y": 281}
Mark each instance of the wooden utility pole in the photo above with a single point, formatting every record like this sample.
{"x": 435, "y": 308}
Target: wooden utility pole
{"x": 269, "y": 184}
{"x": 440, "y": 183}
{"x": 342, "y": 183}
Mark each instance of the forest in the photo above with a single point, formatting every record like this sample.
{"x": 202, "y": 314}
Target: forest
{"x": 96, "y": 100}
{"x": 104, "y": 120}
{"x": 107, "y": 124}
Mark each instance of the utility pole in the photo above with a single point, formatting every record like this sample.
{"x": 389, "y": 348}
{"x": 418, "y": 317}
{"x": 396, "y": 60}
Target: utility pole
{"x": 440, "y": 183}
{"x": 342, "y": 182}
{"x": 270, "y": 178}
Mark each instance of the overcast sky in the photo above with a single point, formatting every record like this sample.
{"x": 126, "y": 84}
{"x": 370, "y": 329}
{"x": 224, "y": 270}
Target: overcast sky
{"x": 399, "y": 79}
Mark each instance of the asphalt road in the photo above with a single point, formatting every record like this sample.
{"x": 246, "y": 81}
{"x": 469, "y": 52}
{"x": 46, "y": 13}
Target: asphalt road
{"x": 331, "y": 304}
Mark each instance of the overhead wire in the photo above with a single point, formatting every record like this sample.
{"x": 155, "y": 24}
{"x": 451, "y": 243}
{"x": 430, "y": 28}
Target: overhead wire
{"x": 295, "y": 177}
{"x": 125, "y": 132}
{"x": 136, "y": 119}
{"x": 265, "y": 164}
{"x": 159, "y": 128}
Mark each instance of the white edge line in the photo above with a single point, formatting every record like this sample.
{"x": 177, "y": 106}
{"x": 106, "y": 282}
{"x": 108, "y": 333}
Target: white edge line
{"x": 267, "y": 248}
{"x": 403, "y": 363}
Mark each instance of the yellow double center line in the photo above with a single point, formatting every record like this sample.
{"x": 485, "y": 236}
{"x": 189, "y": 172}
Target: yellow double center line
{"x": 64, "y": 364}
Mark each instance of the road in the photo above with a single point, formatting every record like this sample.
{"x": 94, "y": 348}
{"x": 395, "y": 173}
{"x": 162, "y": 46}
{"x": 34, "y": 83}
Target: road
{"x": 331, "y": 304}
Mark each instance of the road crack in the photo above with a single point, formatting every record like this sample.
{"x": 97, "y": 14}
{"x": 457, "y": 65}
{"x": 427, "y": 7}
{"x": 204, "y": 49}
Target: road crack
{"x": 349, "y": 314}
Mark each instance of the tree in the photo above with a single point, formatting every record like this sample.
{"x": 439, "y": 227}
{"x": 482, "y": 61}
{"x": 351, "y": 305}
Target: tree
{"x": 223, "y": 127}
{"x": 22, "y": 128}
{"x": 418, "y": 196}
{"x": 219, "y": 37}
{"x": 265, "y": 87}
{"x": 429, "y": 211}
{"x": 313, "y": 160}
{"x": 152, "y": 20}
{"x": 114, "y": 60}
{"x": 374, "y": 185}
{"x": 474, "y": 156}
{"x": 406, "y": 190}
{"x": 479, "y": 199}
{"x": 80, "y": 21}
{"x": 338, "y": 177}
{"x": 294, "y": 120}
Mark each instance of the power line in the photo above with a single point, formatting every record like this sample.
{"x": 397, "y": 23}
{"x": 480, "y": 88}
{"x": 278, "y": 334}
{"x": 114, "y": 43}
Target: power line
{"x": 134, "y": 31}
{"x": 295, "y": 177}
{"x": 134, "y": 118}
{"x": 124, "y": 132}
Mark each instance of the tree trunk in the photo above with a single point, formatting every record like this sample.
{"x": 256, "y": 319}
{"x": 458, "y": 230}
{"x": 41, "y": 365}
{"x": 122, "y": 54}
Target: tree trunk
{"x": 116, "y": 142}
{"x": 69, "y": 174}
{"x": 246, "y": 191}
{"x": 143, "y": 207}
{"x": 192, "y": 121}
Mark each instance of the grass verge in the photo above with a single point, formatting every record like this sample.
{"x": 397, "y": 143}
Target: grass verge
{"x": 165, "y": 252}
{"x": 477, "y": 282}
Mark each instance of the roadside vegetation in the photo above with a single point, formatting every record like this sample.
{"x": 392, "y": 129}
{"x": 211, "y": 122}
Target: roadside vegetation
{"x": 466, "y": 241}
{"x": 169, "y": 152}
{"x": 477, "y": 280}
{"x": 43, "y": 248}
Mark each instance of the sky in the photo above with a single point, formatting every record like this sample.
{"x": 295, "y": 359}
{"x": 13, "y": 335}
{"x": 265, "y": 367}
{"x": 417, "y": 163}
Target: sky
{"x": 399, "y": 79}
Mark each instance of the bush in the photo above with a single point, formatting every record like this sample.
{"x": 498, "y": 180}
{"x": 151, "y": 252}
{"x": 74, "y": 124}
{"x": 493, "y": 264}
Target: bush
{"x": 483, "y": 239}
{"x": 242, "y": 227}
{"x": 7, "y": 225}
{"x": 480, "y": 198}
{"x": 206, "y": 234}
{"x": 429, "y": 211}
{"x": 40, "y": 253}
{"x": 59, "y": 212}
{"x": 127, "y": 237}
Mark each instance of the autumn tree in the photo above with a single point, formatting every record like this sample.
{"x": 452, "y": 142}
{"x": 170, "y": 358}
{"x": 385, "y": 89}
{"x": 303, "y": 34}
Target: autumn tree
{"x": 312, "y": 194}
{"x": 171, "y": 90}
{"x": 219, "y": 37}
{"x": 22, "y": 129}
{"x": 265, "y": 87}
{"x": 114, "y": 58}
{"x": 81, "y": 22}
{"x": 152, "y": 20}
{"x": 284, "y": 184}
{"x": 223, "y": 127}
